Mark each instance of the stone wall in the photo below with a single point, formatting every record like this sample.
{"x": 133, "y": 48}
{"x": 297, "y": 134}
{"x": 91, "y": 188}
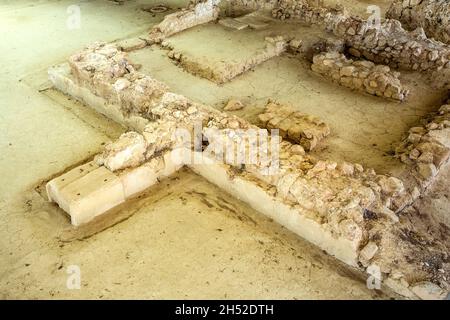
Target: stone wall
{"x": 306, "y": 130}
{"x": 427, "y": 147}
{"x": 432, "y": 15}
{"x": 198, "y": 12}
{"x": 226, "y": 70}
{"x": 364, "y": 76}
{"x": 385, "y": 43}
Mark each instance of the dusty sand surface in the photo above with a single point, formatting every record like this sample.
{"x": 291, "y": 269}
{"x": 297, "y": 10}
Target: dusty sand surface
{"x": 184, "y": 238}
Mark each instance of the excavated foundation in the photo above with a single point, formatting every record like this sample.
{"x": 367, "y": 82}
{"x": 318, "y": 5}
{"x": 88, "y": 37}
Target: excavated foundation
{"x": 302, "y": 179}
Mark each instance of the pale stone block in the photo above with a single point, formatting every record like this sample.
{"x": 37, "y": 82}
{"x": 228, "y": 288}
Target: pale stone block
{"x": 88, "y": 196}
{"x": 138, "y": 179}
{"x": 56, "y": 184}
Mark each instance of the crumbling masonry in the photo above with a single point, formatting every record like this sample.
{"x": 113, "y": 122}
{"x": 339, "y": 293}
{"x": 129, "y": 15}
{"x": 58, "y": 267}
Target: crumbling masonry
{"x": 387, "y": 43}
{"x": 431, "y": 15}
{"x": 364, "y": 76}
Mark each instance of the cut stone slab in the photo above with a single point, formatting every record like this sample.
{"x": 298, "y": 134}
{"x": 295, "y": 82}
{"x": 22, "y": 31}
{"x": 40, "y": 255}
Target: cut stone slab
{"x": 87, "y": 195}
{"x": 89, "y": 190}
{"x": 62, "y": 181}
{"x": 233, "y": 23}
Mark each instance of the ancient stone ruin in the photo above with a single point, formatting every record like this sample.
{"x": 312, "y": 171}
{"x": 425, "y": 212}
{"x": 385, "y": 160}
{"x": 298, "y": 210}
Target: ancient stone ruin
{"x": 347, "y": 209}
{"x": 433, "y": 16}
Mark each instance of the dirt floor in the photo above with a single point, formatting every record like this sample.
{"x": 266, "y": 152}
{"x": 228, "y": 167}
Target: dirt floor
{"x": 184, "y": 238}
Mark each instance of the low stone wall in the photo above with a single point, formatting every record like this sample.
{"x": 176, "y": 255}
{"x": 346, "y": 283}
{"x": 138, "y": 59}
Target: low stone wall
{"x": 198, "y": 12}
{"x": 107, "y": 72}
{"x": 225, "y": 71}
{"x": 306, "y": 130}
{"x": 426, "y": 148}
{"x": 387, "y": 43}
{"x": 431, "y": 15}
{"x": 364, "y": 76}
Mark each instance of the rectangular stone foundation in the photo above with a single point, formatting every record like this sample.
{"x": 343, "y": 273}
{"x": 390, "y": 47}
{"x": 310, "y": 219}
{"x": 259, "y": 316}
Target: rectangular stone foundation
{"x": 88, "y": 191}
{"x": 138, "y": 179}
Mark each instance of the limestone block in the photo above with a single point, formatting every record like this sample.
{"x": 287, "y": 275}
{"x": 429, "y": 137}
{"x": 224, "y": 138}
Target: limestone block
{"x": 87, "y": 196}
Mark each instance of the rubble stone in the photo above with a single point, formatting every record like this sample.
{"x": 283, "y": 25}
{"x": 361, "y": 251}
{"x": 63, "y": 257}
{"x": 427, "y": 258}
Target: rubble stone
{"x": 360, "y": 75}
{"x": 128, "y": 151}
{"x": 295, "y": 126}
{"x": 233, "y": 105}
{"x": 368, "y": 252}
{"x": 431, "y": 15}
{"x": 384, "y": 43}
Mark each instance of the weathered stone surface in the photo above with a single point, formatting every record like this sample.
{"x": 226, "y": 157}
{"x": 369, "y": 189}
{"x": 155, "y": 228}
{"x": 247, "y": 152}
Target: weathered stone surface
{"x": 227, "y": 70}
{"x": 368, "y": 252}
{"x": 131, "y": 44}
{"x": 428, "y": 291}
{"x": 198, "y": 13}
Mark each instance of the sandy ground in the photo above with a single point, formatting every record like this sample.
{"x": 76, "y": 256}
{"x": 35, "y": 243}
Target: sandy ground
{"x": 184, "y": 238}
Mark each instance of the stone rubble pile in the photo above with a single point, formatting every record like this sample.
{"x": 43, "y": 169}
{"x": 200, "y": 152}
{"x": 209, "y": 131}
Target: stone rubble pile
{"x": 431, "y": 15}
{"x": 107, "y": 72}
{"x": 427, "y": 147}
{"x": 360, "y": 75}
{"x": 293, "y": 125}
{"x": 385, "y": 42}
